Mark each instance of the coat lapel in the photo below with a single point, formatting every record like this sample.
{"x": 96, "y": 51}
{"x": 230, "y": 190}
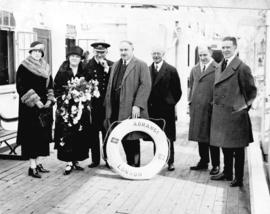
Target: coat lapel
{"x": 197, "y": 72}
{"x": 211, "y": 68}
{"x": 161, "y": 72}
{"x": 151, "y": 69}
{"x": 114, "y": 67}
{"x": 229, "y": 70}
{"x": 129, "y": 68}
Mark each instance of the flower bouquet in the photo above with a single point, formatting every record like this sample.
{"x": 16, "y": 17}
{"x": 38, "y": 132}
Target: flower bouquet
{"x": 77, "y": 99}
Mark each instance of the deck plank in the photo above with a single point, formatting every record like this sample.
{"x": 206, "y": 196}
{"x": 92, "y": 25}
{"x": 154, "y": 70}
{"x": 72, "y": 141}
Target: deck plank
{"x": 100, "y": 190}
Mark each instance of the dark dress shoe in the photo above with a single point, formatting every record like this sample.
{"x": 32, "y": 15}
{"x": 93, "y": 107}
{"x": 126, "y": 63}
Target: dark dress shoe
{"x": 221, "y": 177}
{"x": 171, "y": 167}
{"x": 77, "y": 166}
{"x": 93, "y": 165}
{"x": 236, "y": 183}
{"x": 214, "y": 170}
{"x": 199, "y": 166}
{"x": 40, "y": 168}
{"x": 34, "y": 173}
{"x": 68, "y": 170}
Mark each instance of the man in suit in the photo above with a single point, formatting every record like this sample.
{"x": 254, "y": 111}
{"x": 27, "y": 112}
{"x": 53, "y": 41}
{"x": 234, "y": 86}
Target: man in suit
{"x": 98, "y": 68}
{"x": 234, "y": 92}
{"x": 202, "y": 77}
{"x": 165, "y": 93}
{"x": 127, "y": 94}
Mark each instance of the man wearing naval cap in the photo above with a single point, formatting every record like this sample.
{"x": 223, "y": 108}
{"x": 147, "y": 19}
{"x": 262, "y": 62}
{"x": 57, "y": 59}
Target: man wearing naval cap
{"x": 98, "y": 68}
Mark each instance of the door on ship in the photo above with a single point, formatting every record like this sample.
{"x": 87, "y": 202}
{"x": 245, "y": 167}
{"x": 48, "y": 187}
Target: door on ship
{"x": 44, "y": 36}
{"x": 7, "y": 75}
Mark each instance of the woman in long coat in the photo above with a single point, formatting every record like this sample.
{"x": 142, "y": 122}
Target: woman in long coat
{"x": 72, "y": 145}
{"x": 35, "y": 88}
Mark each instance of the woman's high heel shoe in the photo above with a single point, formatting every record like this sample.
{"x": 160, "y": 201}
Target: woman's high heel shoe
{"x": 40, "y": 168}
{"x": 34, "y": 173}
{"x": 68, "y": 169}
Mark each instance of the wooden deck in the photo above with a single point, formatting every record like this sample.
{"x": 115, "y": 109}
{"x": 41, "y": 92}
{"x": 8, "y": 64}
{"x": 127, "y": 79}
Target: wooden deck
{"x": 100, "y": 191}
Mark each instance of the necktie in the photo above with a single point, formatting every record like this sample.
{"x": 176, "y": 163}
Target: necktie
{"x": 155, "y": 72}
{"x": 156, "y": 67}
{"x": 224, "y": 64}
{"x": 203, "y": 68}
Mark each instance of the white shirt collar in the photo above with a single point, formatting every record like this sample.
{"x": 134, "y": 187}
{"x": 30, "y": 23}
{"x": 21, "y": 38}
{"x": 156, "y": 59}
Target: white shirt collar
{"x": 127, "y": 61}
{"x": 158, "y": 65}
{"x": 206, "y": 65}
{"x": 231, "y": 58}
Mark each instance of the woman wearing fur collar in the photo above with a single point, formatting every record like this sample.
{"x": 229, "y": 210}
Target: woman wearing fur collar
{"x": 35, "y": 88}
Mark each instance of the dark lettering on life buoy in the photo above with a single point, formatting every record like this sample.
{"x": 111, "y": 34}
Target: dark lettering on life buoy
{"x": 113, "y": 152}
{"x": 146, "y": 125}
{"x": 114, "y": 140}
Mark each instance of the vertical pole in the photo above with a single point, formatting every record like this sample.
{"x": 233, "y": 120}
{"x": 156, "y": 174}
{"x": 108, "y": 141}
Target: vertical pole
{"x": 266, "y": 87}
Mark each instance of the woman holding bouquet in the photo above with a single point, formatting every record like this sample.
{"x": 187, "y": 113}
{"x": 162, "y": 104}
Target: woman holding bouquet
{"x": 72, "y": 119}
{"x": 35, "y": 88}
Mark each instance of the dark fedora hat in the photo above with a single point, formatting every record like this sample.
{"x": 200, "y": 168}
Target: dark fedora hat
{"x": 76, "y": 50}
{"x": 100, "y": 46}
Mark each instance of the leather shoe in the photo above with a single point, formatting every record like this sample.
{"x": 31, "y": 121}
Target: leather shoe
{"x": 68, "y": 170}
{"x": 236, "y": 183}
{"x": 221, "y": 177}
{"x": 76, "y": 166}
{"x": 93, "y": 165}
{"x": 171, "y": 167}
{"x": 40, "y": 168}
{"x": 199, "y": 166}
{"x": 34, "y": 173}
{"x": 214, "y": 170}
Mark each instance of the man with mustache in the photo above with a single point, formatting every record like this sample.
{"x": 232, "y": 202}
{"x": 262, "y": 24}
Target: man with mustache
{"x": 126, "y": 97}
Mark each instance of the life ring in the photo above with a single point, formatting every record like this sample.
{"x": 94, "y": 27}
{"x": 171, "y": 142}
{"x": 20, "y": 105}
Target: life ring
{"x": 113, "y": 152}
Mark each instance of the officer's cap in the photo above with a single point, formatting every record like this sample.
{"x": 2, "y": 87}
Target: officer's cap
{"x": 100, "y": 46}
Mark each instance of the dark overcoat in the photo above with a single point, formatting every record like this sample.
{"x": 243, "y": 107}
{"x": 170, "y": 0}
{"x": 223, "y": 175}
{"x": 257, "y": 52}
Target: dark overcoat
{"x": 32, "y": 136}
{"x": 135, "y": 90}
{"x": 200, "y": 101}
{"x": 234, "y": 92}
{"x": 76, "y": 141}
{"x": 166, "y": 92}
{"x": 95, "y": 71}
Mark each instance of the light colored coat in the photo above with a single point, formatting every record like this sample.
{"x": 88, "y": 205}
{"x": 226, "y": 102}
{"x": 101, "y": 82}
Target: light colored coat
{"x": 135, "y": 90}
{"x": 200, "y": 99}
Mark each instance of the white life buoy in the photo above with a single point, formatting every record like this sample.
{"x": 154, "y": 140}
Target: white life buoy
{"x": 113, "y": 152}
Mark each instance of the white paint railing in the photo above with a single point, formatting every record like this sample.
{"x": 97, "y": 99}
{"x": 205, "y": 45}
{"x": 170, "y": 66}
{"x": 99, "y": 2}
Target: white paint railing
{"x": 259, "y": 192}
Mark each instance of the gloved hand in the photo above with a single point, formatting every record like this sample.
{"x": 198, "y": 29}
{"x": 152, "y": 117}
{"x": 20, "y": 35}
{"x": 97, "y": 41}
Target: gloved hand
{"x": 48, "y": 104}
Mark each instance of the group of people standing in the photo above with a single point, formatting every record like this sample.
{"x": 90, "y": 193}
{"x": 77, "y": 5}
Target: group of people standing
{"x": 128, "y": 89}
{"x": 220, "y": 98}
